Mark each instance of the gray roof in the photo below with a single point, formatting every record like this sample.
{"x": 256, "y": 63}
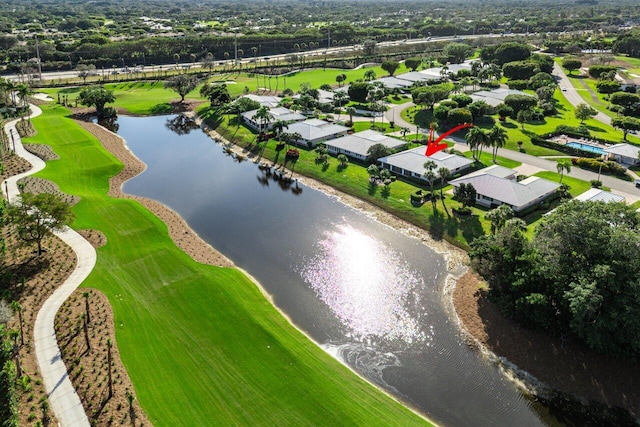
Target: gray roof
{"x": 413, "y": 160}
{"x": 508, "y": 191}
{"x": 278, "y": 113}
{"x": 625, "y": 150}
{"x": 495, "y": 170}
{"x": 599, "y": 195}
{"x": 268, "y": 101}
{"x": 496, "y": 96}
{"x": 416, "y": 76}
{"x": 452, "y": 68}
{"x": 360, "y": 142}
{"x": 394, "y": 82}
{"x": 313, "y": 129}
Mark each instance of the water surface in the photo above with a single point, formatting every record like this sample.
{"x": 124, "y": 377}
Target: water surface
{"x": 368, "y": 294}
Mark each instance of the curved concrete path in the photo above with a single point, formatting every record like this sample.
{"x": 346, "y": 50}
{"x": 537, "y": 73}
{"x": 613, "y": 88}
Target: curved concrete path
{"x": 63, "y": 399}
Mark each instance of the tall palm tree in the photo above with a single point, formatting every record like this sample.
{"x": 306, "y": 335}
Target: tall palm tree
{"x": 24, "y": 91}
{"x": 476, "y": 138}
{"x": 278, "y": 126}
{"x": 351, "y": 111}
{"x": 263, "y": 115}
{"x": 563, "y": 165}
{"x": 497, "y": 139}
{"x": 431, "y": 176}
{"x": 444, "y": 174}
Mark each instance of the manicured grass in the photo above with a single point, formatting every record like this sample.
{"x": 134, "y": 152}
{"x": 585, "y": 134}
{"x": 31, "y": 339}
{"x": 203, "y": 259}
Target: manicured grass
{"x": 136, "y": 97}
{"x": 576, "y": 186}
{"x": 202, "y": 344}
{"x": 633, "y": 63}
{"x": 487, "y": 160}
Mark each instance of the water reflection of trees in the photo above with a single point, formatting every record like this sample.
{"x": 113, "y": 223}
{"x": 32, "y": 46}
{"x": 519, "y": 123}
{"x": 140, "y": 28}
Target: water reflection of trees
{"x": 181, "y": 124}
{"x": 280, "y": 177}
{"x": 110, "y": 123}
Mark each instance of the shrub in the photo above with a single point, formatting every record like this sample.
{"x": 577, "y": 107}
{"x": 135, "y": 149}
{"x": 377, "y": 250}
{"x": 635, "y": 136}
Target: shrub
{"x": 518, "y": 84}
{"x": 457, "y": 116}
{"x": 596, "y": 71}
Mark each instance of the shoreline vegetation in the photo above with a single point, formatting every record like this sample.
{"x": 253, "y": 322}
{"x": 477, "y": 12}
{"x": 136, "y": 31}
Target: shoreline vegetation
{"x": 466, "y": 298}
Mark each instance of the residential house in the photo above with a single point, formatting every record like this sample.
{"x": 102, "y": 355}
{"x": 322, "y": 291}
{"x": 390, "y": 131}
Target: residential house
{"x": 356, "y": 145}
{"x": 599, "y": 195}
{"x": 277, "y": 114}
{"x": 625, "y": 154}
{"x": 314, "y": 131}
{"x": 495, "y": 97}
{"x": 410, "y": 163}
{"x": 497, "y": 185}
{"x": 264, "y": 101}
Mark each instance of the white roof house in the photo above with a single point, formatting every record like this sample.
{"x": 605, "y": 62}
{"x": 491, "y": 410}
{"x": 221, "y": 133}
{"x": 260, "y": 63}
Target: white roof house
{"x": 394, "y": 83}
{"x": 357, "y": 144}
{"x": 625, "y": 154}
{"x": 277, "y": 114}
{"x": 599, "y": 195}
{"x": 416, "y": 76}
{"x": 451, "y": 68}
{"x": 496, "y": 96}
{"x": 324, "y": 96}
{"x": 264, "y": 101}
{"x": 314, "y": 131}
{"x": 495, "y": 188}
{"x": 411, "y": 162}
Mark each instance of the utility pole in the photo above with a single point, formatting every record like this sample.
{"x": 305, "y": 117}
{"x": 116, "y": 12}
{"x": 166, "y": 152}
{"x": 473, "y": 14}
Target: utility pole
{"x": 38, "y": 57}
{"x": 328, "y": 38}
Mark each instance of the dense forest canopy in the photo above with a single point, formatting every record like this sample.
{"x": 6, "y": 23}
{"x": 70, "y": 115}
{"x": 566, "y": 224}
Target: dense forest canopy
{"x": 153, "y": 31}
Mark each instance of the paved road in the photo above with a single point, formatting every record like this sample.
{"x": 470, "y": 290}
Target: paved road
{"x": 63, "y": 398}
{"x": 571, "y": 93}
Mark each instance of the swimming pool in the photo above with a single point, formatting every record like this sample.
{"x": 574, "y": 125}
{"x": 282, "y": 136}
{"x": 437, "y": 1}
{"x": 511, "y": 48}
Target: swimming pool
{"x": 585, "y": 147}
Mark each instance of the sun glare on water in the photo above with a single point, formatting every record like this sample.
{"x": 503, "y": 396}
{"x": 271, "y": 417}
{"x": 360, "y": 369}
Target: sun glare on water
{"x": 366, "y": 284}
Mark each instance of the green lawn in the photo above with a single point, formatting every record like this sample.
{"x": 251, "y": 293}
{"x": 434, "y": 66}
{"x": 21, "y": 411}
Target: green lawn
{"x": 487, "y": 160}
{"x": 576, "y": 186}
{"x": 202, "y": 344}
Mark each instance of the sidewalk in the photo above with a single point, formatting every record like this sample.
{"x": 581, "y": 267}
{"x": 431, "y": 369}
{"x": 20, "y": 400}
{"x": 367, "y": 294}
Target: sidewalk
{"x": 63, "y": 398}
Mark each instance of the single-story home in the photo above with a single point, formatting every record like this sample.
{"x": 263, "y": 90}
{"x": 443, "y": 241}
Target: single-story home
{"x": 356, "y": 145}
{"x": 625, "y": 154}
{"x": 277, "y": 114}
{"x": 410, "y": 163}
{"x": 390, "y": 82}
{"x": 264, "y": 101}
{"x": 416, "y": 76}
{"x": 496, "y": 185}
{"x": 599, "y": 195}
{"x": 496, "y": 97}
{"x": 324, "y": 97}
{"x": 314, "y": 131}
{"x": 435, "y": 72}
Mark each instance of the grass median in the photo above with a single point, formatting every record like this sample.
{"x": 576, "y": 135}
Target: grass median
{"x": 202, "y": 345}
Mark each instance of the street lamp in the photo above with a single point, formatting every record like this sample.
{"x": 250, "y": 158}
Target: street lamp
{"x": 13, "y": 141}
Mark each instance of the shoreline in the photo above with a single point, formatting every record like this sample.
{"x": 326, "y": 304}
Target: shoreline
{"x": 457, "y": 259}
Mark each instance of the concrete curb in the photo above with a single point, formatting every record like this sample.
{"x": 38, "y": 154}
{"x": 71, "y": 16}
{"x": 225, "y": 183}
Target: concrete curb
{"x": 63, "y": 398}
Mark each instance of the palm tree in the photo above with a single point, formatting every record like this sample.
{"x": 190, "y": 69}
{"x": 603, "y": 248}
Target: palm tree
{"x": 343, "y": 160}
{"x": 476, "y": 138}
{"x": 431, "y": 176}
{"x": 278, "y": 126}
{"x": 176, "y": 58}
{"x": 444, "y": 174}
{"x": 498, "y": 217}
{"x": 562, "y": 166}
{"x": 369, "y": 75}
{"x": 351, "y": 111}
{"x": 23, "y": 93}
{"x": 263, "y": 115}
{"x": 497, "y": 139}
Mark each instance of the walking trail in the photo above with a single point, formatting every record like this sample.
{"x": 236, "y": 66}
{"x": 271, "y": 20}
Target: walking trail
{"x": 63, "y": 399}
